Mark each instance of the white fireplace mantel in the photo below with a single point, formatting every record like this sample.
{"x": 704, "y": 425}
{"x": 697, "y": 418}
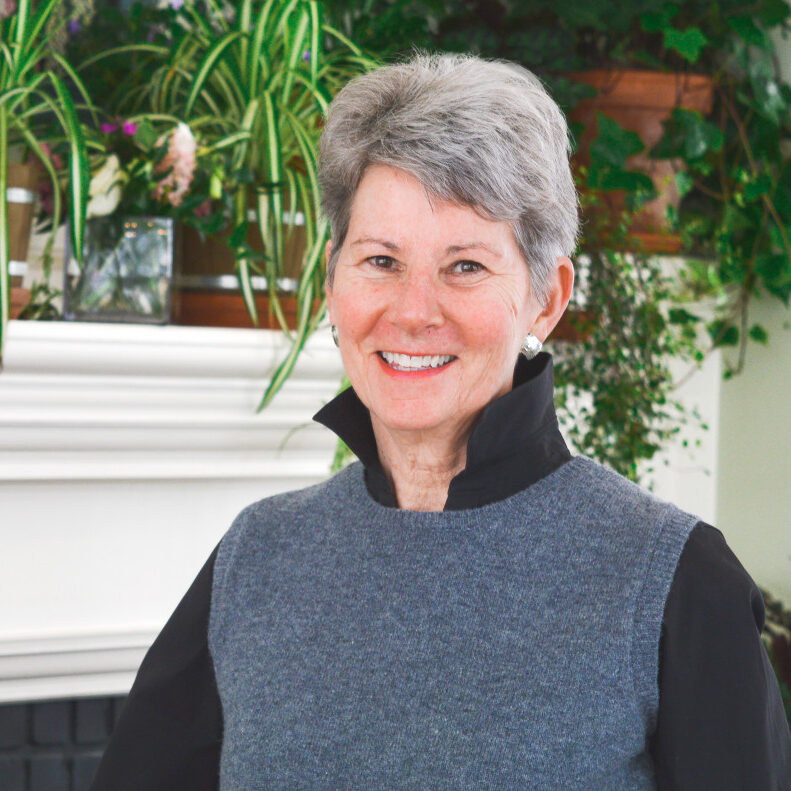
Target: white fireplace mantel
{"x": 125, "y": 453}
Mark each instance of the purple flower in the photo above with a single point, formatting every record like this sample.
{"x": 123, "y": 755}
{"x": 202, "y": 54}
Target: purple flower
{"x": 176, "y": 4}
{"x": 306, "y": 55}
{"x": 129, "y": 127}
{"x": 74, "y": 26}
{"x": 107, "y": 128}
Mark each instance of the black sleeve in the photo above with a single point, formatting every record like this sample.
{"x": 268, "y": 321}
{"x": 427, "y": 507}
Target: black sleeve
{"x": 170, "y": 729}
{"x": 721, "y": 722}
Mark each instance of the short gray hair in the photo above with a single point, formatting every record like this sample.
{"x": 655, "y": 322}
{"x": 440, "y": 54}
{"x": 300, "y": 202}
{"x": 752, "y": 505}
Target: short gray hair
{"x": 480, "y": 133}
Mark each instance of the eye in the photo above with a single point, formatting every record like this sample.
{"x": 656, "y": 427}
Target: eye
{"x": 383, "y": 262}
{"x": 467, "y": 267}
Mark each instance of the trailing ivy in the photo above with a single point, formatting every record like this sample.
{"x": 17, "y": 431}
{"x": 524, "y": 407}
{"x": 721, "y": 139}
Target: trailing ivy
{"x": 614, "y": 387}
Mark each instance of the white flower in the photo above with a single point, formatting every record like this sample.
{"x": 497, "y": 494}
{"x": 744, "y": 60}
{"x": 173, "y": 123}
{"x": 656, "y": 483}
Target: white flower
{"x": 105, "y": 189}
{"x": 180, "y": 161}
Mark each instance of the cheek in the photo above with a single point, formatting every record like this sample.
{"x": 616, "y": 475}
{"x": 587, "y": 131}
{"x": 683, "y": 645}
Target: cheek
{"x": 493, "y": 326}
{"x": 356, "y": 312}
{"x": 354, "y": 318}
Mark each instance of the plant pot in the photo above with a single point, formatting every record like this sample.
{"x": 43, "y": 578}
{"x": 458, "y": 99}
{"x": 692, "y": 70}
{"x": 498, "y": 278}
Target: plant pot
{"x": 640, "y": 101}
{"x": 125, "y": 272}
{"x": 21, "y": 197}
{"x": 223, "y": 306}
{"x": 19, "y": 298}
{"x": 205, "y": 290}
{"x": 212, "y": 256}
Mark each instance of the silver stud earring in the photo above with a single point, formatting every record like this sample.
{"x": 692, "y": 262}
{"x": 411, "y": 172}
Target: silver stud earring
{"x": 334, "y": 331}
{"x": 531, "y": 346}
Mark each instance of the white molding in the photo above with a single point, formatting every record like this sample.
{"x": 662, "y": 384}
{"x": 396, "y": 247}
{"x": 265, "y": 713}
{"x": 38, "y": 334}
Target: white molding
{"x": 70, "y": 666}
{"x": 82, "y": 401}
{"x": 64, "y": 347}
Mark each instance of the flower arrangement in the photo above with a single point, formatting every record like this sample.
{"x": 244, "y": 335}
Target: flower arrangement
{"x": 138, "y": 170}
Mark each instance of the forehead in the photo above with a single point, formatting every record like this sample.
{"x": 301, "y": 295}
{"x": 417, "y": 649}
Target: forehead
{"x": 393, "y": 202}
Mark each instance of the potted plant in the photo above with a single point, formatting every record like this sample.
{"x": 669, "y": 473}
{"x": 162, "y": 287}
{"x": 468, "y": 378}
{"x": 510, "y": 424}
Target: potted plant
{"x": 36, "y": 111}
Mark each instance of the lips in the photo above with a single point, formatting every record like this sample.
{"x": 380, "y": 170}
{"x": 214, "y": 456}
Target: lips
{"x": 409, "y": 362}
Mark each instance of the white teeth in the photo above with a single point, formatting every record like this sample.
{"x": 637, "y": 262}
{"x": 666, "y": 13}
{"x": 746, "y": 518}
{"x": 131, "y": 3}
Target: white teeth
{"x": 419, "y": 362}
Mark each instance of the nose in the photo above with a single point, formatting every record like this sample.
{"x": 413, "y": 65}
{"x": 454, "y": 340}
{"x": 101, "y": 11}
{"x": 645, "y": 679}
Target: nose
{"x": 415, "y": 305}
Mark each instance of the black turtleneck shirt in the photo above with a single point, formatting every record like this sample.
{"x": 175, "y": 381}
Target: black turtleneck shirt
{"x": 721, "y": 724}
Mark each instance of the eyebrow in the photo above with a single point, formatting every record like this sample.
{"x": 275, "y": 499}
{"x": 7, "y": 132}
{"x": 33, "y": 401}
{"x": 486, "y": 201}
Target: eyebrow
{"x": 454, "y": 248}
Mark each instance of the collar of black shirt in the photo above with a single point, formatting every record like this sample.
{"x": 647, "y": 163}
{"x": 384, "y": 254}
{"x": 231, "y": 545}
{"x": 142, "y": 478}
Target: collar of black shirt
{"x": 515, "y": 442}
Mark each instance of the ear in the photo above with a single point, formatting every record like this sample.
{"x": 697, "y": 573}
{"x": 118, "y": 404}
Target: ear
{"x": 561, "y": 284}
{"x": 327, "y": 287}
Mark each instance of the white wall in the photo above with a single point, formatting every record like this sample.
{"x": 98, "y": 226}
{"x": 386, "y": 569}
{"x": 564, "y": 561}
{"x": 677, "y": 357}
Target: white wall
{"x": 754, "y": 485}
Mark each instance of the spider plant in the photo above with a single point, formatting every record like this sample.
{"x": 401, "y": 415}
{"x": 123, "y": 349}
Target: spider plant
{"x": 261, "y": 82}
{"x": 34, "y": 95}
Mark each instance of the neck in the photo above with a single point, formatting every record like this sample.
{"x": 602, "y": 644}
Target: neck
{"x": 420, "y": 465}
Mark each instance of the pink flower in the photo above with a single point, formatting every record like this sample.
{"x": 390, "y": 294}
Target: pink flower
{"x": 129, "y": 128}
{"x": 107, "y": 128}
{"x": 203, "y": 209}
{"x": 178, "y": 163}
{"x": 7, "y": 7}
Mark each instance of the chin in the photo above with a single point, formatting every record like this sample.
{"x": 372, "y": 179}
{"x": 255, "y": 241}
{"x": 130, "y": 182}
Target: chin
{"x": 416, "y": 418}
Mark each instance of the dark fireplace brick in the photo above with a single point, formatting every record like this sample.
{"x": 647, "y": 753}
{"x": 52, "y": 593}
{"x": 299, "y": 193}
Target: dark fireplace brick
{"x": 13, "y": 726}
{"x": 85, "y": 767}
{"x": 49, "y": 773}
{"x": 52, "y": 722}
{"x": 93, "y": 721}
{"x": 12, "y": 774}
{"x": 54, "y": 745}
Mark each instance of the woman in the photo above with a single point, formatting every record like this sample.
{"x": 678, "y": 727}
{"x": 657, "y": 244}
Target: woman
{"x": 469, "y": 607}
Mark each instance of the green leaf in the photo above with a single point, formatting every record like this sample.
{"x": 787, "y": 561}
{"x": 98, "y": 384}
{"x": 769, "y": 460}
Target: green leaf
{"x": 206, "y": 67}
{"x": 145, "y": 135}
{"x": 782, "y": 196}
{"x": 759, "y": 334}
{"x": 745, "y": 27}
{"x": 79, "y": 177}
{"x": 681, "y": 316}
{"x": 775, "y": 271}
{"x": 688, "y": 43}
{"x": 773, "y": 12}
{"x": 687, "y": 134}
{"x": 656, "y": 22}
{"x": 614, "y": 143}
{"x": 723, "y": 333}
{"x": 684, "y": 183}
{"x": 609, "y": 179}
{"x": 759, "y": 186}
{"x": 238, "y": 235}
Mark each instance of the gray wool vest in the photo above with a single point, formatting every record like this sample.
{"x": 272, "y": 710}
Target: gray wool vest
{"x": 511, "y": 646}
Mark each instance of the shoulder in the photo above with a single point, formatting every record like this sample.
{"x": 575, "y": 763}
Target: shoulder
{"x": 717, "y": 686}
{"x": 604, "y": 503}
{"x": 280, "y": 523}
{"x": 711, "y": 587}
{"x": 276, "y": 514}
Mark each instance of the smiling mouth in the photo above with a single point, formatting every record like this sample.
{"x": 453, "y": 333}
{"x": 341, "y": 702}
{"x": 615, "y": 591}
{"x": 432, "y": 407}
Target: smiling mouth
{"x": 408, "y": 362}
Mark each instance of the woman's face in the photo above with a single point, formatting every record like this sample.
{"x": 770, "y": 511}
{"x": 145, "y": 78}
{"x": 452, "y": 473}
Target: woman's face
{"x": 431, "y": 301}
